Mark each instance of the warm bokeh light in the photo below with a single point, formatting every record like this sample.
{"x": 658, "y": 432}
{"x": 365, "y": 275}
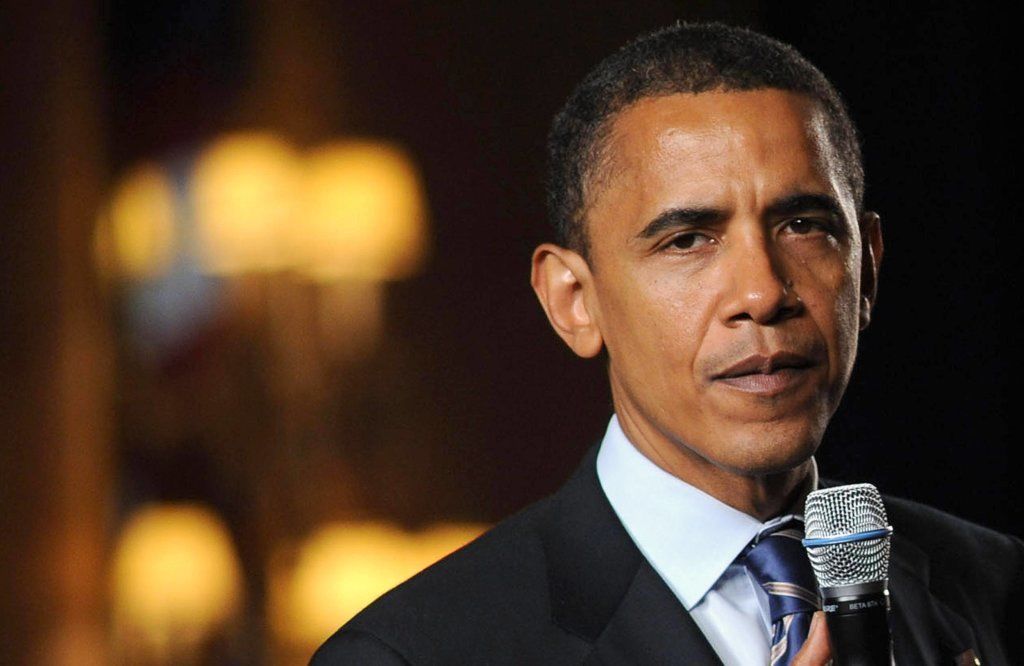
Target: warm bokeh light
{"x": 349, "y": 211}
{"x": 245, "y": 190}
{"x": 364, "y": 213}
{"x": 135, "y": 232}
{"x": 345, "y": 566}
{"x": 176, "y": 576}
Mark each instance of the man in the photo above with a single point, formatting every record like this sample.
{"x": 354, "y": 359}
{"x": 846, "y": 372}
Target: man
{"x": 707, "y": 192}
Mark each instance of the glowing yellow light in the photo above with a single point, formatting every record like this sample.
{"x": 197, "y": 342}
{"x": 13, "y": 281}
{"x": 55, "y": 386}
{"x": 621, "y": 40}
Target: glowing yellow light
{"x": 345, "y": 566}
{"x": 135, "y": 233}
{"x": 175, "y": 575}
{"x": 245, "y": 192}
{"x": 363, "y": 214}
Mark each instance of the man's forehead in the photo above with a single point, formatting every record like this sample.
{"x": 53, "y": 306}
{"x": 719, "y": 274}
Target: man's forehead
{"x": 697, "y": 139}
{"x": 653, "y": 125}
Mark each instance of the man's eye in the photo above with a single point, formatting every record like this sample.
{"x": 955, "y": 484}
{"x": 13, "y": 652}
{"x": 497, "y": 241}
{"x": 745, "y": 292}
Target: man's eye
{"x": 688, "y": 241}
{"x": 806, "y": 225}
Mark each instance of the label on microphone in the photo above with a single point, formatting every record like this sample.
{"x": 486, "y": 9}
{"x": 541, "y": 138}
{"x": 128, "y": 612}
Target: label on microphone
{"x": 858, "y": 624}
{"x": 857, "y": 604}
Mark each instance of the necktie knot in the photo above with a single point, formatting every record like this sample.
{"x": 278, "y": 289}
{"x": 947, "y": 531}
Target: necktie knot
{"x": 778, "y": 562}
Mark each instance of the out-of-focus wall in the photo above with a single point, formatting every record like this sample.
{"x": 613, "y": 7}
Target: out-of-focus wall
{"x": 56, "y": 473}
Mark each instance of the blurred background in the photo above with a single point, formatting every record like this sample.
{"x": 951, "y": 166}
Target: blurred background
{"x": 269, "y": 345}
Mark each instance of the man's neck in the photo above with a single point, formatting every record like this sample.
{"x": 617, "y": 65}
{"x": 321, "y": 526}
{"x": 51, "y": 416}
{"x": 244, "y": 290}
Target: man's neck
{"x": 762, "y": 496}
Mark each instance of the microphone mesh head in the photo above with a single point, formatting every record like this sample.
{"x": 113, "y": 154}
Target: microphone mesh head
{"x": 842, "y": 511}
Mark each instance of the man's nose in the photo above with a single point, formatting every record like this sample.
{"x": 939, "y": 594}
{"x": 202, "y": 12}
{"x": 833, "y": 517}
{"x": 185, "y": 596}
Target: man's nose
{"x": 759, "y": 288}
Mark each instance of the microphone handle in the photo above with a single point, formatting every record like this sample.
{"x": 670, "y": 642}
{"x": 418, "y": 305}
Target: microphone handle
{"x": 858, "y": 624}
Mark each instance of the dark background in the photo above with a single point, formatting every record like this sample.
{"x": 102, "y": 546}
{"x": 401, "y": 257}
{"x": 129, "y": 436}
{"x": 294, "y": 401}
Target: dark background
{"x": 494, "y": 410}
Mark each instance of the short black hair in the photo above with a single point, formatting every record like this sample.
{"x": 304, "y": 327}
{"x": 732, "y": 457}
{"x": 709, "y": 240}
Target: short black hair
{"x": 681, "y": 58}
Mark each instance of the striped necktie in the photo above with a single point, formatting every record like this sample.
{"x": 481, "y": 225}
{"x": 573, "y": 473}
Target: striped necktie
{"x": 778, "y": 562}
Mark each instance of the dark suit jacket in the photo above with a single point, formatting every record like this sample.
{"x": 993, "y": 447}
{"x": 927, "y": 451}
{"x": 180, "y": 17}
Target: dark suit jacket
{"x": 561, "y": 582}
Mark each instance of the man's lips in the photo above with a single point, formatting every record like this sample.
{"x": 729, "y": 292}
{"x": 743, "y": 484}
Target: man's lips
{"x": 761, "y": 364}
{"x": 766, "y": 374}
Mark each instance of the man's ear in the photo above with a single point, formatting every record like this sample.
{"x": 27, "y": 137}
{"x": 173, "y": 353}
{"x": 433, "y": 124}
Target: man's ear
{"x": 871, "y": 260}
{"x": 563, "y": 283}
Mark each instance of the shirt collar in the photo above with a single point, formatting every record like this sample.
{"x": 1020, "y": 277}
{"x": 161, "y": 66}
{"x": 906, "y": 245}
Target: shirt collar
{"x": 689, "y": 537}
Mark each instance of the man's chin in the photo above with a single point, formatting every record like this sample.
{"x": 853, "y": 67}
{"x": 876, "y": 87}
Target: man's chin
{"x": 766, "y": 457}
{"x": 766, "y": 468}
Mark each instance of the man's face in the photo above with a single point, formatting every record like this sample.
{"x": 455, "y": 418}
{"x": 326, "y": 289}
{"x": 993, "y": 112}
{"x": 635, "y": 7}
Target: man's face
{"x": 726, "y": 256}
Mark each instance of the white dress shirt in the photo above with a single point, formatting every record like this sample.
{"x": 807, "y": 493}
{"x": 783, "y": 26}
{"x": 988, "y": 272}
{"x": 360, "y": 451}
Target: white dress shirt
{"x": 692, "y": 540}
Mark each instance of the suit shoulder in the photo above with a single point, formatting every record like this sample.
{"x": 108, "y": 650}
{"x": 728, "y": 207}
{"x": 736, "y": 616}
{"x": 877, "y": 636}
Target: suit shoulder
{"x": 491, "y": 594}
{"x": 928, "y": 525}
{"x": 468, "y": 575}
{"x": 957, "y": 547}
{"x": 352, "y": 646}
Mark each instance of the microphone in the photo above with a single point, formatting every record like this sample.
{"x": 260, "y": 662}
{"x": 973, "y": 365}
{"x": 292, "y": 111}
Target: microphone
{"x": 847, "y": 541}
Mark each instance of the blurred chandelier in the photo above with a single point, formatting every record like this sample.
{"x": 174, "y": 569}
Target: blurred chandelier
{"x": 175, "y": 581}
{"x": 345, "y": 217}
{"x": 351, "y": 210}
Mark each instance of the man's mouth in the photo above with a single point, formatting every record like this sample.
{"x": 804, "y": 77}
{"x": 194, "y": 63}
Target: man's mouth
{"x": 766, "y": 373}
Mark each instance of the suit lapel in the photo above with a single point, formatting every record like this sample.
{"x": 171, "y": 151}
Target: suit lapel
{"x": 650, "y": 626}
{"x": 925, "y": 631}
{"x": 603, "y": 590}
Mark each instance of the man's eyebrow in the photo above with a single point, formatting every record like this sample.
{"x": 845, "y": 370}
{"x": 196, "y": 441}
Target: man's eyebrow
{"x": 803, "y": 202}
{"x": 792, "y": 204}
{"x": 674, "y": 218}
